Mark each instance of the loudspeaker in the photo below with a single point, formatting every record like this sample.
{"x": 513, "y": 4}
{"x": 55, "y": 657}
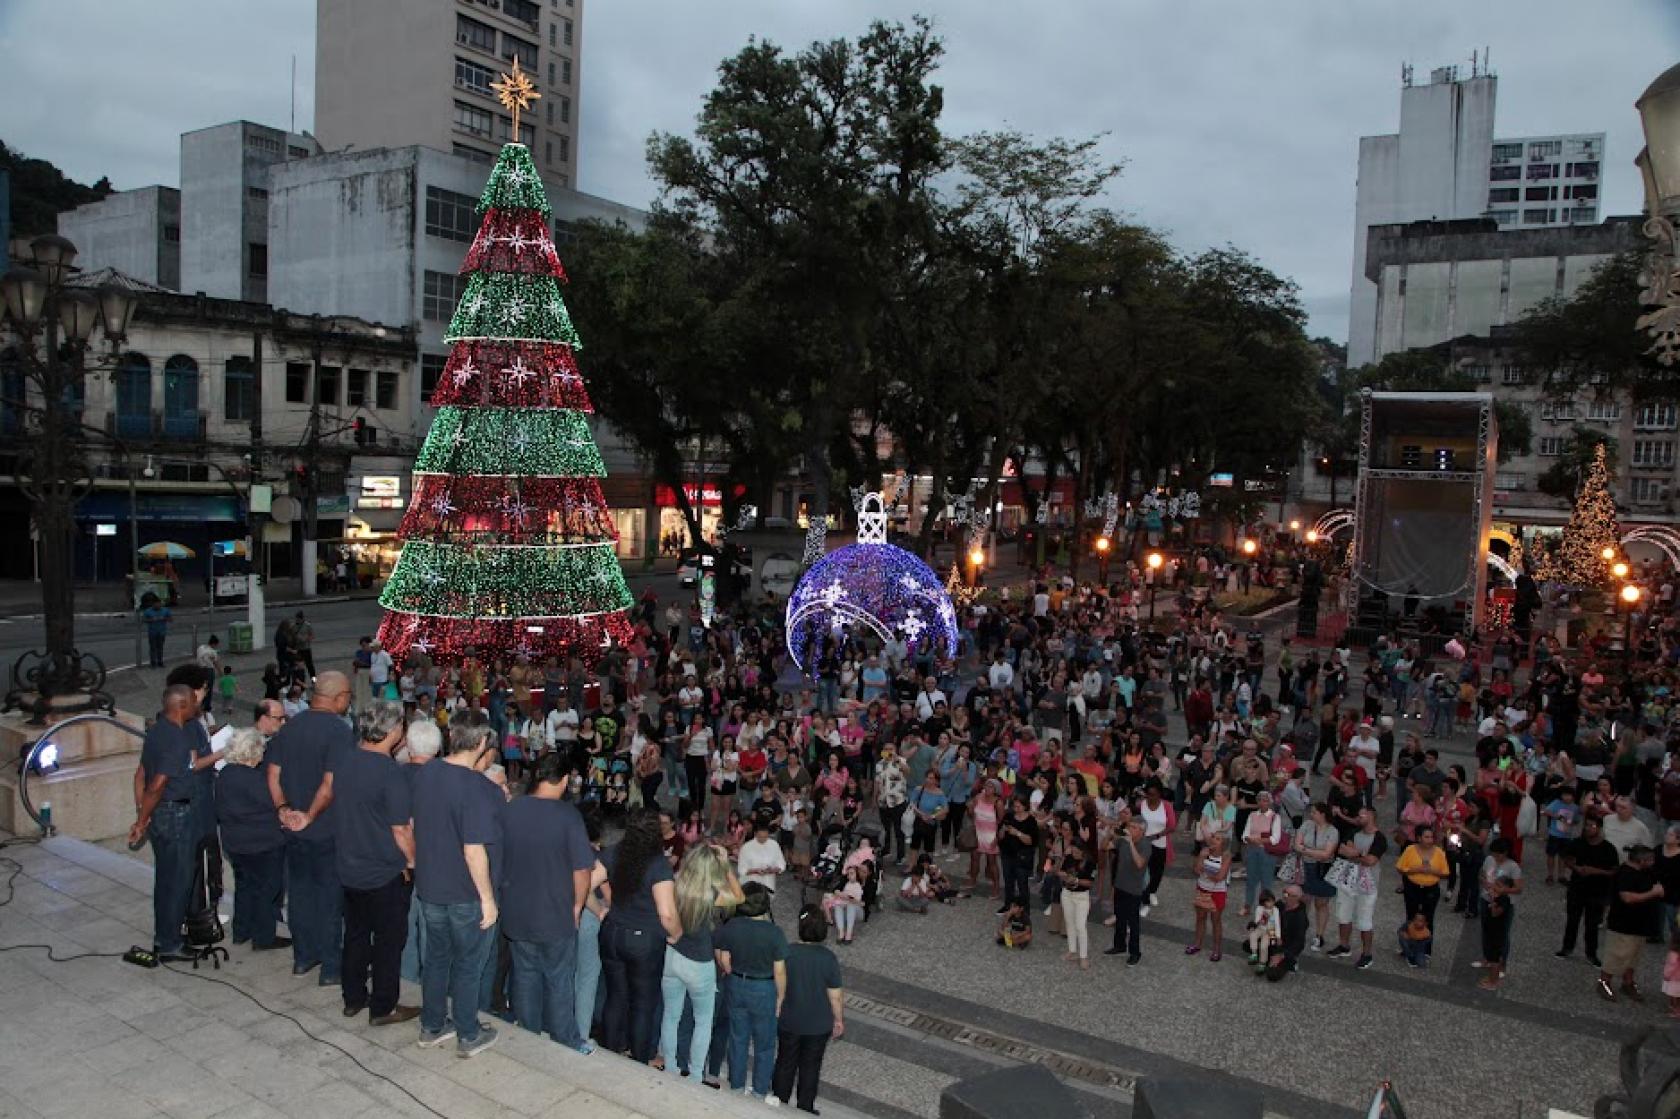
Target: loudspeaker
{"x": 1010, "y": 1093}
{"x": 1168, "y": 1098}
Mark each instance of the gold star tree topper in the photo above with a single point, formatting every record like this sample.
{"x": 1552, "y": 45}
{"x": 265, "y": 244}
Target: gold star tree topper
{"x": 516, "y": 93}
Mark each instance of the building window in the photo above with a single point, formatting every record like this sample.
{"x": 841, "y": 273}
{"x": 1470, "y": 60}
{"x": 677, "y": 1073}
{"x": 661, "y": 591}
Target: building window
{"x": 565, "y": 72}
{"x": 1551, "y": 445}
{"x": 1502, "y": 194}
{"x": 1581, "y": 190}
{"x": 1498, "y": 174}
{"x": 1604, "y": 412}
{"x": 326, "y": 385}
{"x": 566, "y": 34}
{"x": 257, "y": 260}
{"x": 1545, "y": 149}
{"x": 514, "y": 47}
{"x": 565, "y": 233}
{"x": 478, "y": 36}
{"x": 296, "y": 152}
{"x": 239, "y": 390}
{"x": 180, "y": 398}
{"x": 1509, "y": 481}
{"x": 268, "y": 145}
{"x": 553, "y": 29}
{"x": 467, "y": 151}
{"x": 1540, "y": 194}
{"x": 256, "y": 194}
{"x": 356, "y": 388}
{"x": 431, "y": 372}
{"x": 1558, "y": 413}
{"x": 1653, "y": 452}
{"x": 527, "y": 132}
{"x": 1584, "y": 170}
{"x": 470, "y": 118}
{"x": 172, "y": 234}
{"x": 551, "y": 73}
{"x": 1504, "y": 153}
{"x": 442, "y": 291}
{"x": 565, "y": 110}
{"x": 550, "y": 107}
{"x": 1480, "y": 373}
{"x": 385, "y": 389}
{"x": 451, "y": 215}
{"x": 1503, "y": 217}
{"x": 1513, "y": 375}
{"x": 565, "y": 149}
{"x": 1648, "y": 491}
{"x": 524, "y": 11}
{"x": 1539, "y": 217}
{"x": 470, "y": 75}
{"x": 1655, "y": 417}
{"x": 297, "y": 382}
{"x": 1542, "y": 171}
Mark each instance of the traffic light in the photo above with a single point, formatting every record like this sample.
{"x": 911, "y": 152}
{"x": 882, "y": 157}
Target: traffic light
{"x": 364, "y": 432}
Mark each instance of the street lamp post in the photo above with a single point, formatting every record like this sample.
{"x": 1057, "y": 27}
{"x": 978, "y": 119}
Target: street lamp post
{"x": 1630, "y": 601}
{"x": 53, "y": 322}
{"x": 1103, "y": 545}
{"x": 1154, "y": 560}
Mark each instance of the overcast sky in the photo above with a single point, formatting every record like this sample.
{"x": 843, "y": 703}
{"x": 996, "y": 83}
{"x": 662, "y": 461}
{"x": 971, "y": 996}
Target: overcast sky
{"x": 1239, "y": 121}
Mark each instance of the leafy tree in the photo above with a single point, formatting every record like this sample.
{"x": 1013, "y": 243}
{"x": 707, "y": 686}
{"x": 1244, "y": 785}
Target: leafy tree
{"x": 1569, "y": 471}
{"x": 1592, "y": 339}
{"x": 40, "y": 192}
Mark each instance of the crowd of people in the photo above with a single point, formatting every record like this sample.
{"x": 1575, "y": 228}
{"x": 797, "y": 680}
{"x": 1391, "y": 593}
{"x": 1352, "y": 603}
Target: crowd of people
{"x": 452, "y": 831}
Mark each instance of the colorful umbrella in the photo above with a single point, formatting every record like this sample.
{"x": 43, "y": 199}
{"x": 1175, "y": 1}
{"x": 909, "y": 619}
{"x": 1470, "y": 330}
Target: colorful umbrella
{"x": 167, "y": 549}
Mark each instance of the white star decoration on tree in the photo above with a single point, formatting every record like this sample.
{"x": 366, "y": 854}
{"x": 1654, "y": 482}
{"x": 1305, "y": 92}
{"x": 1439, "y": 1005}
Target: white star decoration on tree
{"x": 519, "y": 372}
{"x": 520, "y": 439}
{"x": 421, "y": 646}
{"x": 411, "y": 627}
{"x": 912, "y": 627}
{"x": 515, "y": 310}
{"x": 515, "y": 510}
{"x": 472, "y": 303}
{"x": 518, "y": 176}
{"x": 465, "y": 372}
{"x": 556, "y": 306}
{"x": 518, "y": 242}
{"x": 442, "y": 506}
{"x": 832, "y": 594}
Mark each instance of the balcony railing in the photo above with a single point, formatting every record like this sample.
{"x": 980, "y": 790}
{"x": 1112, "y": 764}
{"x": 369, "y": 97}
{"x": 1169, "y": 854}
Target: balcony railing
{"x": 177, "y": 427}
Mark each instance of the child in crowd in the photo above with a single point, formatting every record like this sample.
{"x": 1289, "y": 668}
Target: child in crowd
{"x": 1264, "y": 931}
{"x": 1563, "y": 824}
{"x": 1417, "y": 941}
{"x": 1015, "y": 930}
{"x": 228, "y": 688}
{"x": 799, "y": 845}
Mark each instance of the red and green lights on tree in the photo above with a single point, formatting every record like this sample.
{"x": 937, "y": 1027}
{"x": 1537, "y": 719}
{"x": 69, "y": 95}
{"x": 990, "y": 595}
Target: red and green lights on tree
{"x": 508, "y": 543}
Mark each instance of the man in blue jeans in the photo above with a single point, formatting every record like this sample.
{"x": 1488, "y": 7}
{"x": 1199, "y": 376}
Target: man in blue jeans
{"x": 546, "y": 871}
{"x": 168, "y": 815}
{"x": 457, "y": 842}
{"x": 754, "y": 953}
{"x": 301, "y": 759}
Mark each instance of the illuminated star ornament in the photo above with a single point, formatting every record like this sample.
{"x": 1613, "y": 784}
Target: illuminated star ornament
{"x": 870, "y": 587}
{"x": 516, "y": 92}
{"x": 466, "y": 372}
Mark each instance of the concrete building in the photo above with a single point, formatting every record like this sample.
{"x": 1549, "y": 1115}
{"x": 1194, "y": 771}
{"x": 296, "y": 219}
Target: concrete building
{"x": 5, "y": 221}
{"x": 381, "y": 234}
{"x": 136, "y": 232}
{"x": 210, "y": 395}
{"x": 1445, "y": 163}
{"x": 396, "y": 73}
{"x": 1437, "y": 280}
{"x": 224, "y": 206}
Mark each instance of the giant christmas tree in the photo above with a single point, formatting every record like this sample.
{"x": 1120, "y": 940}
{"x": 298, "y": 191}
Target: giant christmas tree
{"x": 507, "y": 542}
{"x": 1579, "y": 559}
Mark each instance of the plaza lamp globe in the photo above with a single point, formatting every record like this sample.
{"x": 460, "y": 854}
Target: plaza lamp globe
{"x": 1630, "y": 594}
{"x": 870, "y": 587}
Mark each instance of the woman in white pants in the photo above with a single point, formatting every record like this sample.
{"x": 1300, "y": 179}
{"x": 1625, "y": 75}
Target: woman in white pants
{"x": 1079, "y": 871}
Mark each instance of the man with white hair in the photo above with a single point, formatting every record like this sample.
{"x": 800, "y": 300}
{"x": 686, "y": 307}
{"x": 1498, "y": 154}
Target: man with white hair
{"x": 375, "y": 852}
{"x": 421, "y": 745}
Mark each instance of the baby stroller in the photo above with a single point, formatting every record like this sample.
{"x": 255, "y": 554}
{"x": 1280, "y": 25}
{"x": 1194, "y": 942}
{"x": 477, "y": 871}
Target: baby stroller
{"x": 842, "y": 850}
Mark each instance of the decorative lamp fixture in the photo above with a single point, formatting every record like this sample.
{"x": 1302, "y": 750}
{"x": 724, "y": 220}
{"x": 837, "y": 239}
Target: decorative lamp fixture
{"x": 1249, "y": 547}
{"x": 1607, "y": 553}
{"x": 1312, "y": 536}
{"x": 53, "y": 255}
{"x": 78, "y": 313}
{"x": 1102, "y": 544}
{"x": 870, "y": 587}
{"x": 976, "y": 556}
{"x": 1619, "y": 570}
{"x": 1630, "y": 594}
{"x": 24, "y": 293}
{"x": 116, "y": 307}
{"x": 1154, "y": 560}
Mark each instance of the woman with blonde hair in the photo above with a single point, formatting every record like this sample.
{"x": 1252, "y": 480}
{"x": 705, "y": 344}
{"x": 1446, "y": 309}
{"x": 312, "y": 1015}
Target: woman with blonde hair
{"x": 705, "y": 883}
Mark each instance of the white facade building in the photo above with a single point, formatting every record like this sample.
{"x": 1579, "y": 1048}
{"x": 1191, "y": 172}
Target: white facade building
{"x": 1445, "y": 164}
{"x": 224, "y": 206}
{"x": 136, "y": 232}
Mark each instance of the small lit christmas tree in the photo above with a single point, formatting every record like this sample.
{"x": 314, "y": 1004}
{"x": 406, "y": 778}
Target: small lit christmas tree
{"x": 1579, "y": 557}
{"x": 508, "y": 543}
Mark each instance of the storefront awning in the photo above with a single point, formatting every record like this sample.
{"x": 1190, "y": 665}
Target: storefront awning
{"x": 189, "y": 507}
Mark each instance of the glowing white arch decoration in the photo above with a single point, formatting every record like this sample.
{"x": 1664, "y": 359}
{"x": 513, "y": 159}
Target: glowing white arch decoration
{"x": 1502, "y": 565}
{"x": 1658, "y": 536}
{"x": 1333, "y": 522}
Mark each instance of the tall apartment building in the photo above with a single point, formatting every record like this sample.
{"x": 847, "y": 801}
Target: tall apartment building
{"x": 224, "y": 205}
{"x": 1445, "y": 164}
{"x": 397, "y": 73}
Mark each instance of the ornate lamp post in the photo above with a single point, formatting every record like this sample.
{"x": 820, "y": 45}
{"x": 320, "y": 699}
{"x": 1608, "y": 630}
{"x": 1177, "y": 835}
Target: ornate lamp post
{"x": 52, "y": 323}
{"x": 1154, "y": 560}
{"x": 1659, "y": 166}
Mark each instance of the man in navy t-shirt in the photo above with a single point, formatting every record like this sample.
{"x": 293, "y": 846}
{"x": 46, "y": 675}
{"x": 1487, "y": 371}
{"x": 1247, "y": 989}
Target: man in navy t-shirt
{"x": 546, "y": 867}
{"x": 167, "y": 814}
{"x": 457, "y": 836}
{"x": 301, "y": 761}
{"x": 375, "y": 848}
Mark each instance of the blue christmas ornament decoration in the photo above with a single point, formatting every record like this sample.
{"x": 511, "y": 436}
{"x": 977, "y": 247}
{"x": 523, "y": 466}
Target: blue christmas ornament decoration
{"x": 870, "y": 587}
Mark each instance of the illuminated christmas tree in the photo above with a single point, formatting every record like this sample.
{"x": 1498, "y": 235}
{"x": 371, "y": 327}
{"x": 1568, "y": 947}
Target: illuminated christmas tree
{"x": 1579, "y": 557}
{"x": 508, "y": 545}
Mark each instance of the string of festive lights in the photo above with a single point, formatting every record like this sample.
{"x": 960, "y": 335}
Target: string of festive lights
{"x": 508, "y": 544}
{"x": 512, "y": 306}
{"x": 876, "y": 589}
{"x": 514, "y": 241}
{"x": 507, "y": 510}
{"x": 514, "y": 183}
{"x": 512, "y": 375}
{"x": 524, "y": 441}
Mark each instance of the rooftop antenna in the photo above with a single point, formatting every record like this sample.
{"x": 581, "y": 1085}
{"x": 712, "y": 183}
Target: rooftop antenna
{"x": 1406, "y": 75}
{"x": 1475, "y": 65}
{"x": 1487, "y": 63}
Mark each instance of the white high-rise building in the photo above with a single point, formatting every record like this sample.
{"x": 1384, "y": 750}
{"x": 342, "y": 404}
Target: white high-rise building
{"x": 1445, "y": 163}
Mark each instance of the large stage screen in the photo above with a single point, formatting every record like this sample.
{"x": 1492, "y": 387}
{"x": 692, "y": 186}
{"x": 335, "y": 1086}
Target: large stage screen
{"x": 1419, "y": 538}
